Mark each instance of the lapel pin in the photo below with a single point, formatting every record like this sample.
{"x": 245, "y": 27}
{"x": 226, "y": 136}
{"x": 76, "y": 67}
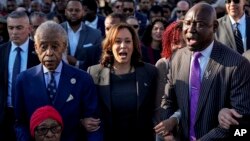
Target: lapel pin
{"x": 72, "y": 80}
{"x": 207, "y": 74}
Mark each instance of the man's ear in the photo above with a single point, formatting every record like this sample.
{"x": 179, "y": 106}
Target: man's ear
{"x": 36, "y": 48}
{"x": 216, "y": 25}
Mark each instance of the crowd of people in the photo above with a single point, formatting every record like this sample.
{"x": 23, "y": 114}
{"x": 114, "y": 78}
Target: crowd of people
{"x": 124, "y": 70}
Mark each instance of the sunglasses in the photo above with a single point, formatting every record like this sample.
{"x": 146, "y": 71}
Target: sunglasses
{"x": 118, "y": 6}
{"x": 235, "y": 1}
{"x": 181, "y": 11}
{"x": 135, "y": 26}
{"x": 128, "y": 9}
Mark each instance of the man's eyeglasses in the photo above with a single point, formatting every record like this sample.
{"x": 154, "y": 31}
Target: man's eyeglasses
{"x": 118, "y": 6}
{"x": 42, "y": 131}
{"x": 181, "y": 11}
{"x": 135, "y": 26}
{"x": 128, "y": 9}
{"x": 235, "y": 1}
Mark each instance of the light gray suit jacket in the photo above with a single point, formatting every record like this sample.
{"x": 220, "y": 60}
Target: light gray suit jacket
{"x": 226, "y": 83}
{"x": 247, "y": 55}
{"x": 225, "y": 34}
{"x": 88, "y": 49}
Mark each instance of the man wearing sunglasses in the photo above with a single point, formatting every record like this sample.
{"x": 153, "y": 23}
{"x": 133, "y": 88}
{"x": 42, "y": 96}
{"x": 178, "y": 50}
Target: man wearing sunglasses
{"x": 129, "y": 9}
{"x": 236, "y": 17}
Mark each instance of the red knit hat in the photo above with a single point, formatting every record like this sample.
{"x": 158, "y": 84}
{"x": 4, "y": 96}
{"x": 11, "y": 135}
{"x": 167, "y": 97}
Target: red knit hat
{"x": 42, "y": 114}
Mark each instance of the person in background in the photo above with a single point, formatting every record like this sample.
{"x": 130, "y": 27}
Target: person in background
{"x": 84, "y": 47}
{"x": 46, "y": 124}
{"x": 155, "y": 12}
{"x": 180, "y": 10}
{"x": 235, "y": 21}
{"x": 171, "y": 41}
{"x": 129, "y": 9}
{"x": 92, "y": 18}
{"x": 126, "y": 87}
{"x": 144, "y": 6}
{"x": 17, "y": 55}
{"x": 112, "y": 19}
{"x": 35, "y": 6}
{"x": 59, "y": 10}
{"x": 208, "y": 85}
{"x": 53, "y": 82}
{"x": 4, "y": 37}
{"x": 131, "y": 20}
{"x": 152, "y": 41}
{"x": 36, "y": 19}
{"x": 117, "y": 6}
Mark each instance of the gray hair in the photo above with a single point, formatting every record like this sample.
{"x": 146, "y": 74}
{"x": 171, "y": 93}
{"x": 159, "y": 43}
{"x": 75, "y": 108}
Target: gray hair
{"x": 51, "y": 27}
{"x": 17, "y": 14}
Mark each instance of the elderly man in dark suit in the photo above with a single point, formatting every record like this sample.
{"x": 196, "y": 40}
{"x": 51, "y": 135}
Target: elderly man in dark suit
{"x": 70, "y": 90}
{"x": 236, "y": 17}
{"x": 205, "y": 77}
{"x": 19, "y": 30}
{"x": 84, "y": 42}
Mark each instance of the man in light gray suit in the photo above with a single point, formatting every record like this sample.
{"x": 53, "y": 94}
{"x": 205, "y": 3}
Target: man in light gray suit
{"x": 224, "y": 81}
{"x": 236, "y": 14}
{"x": 84, "y": 47}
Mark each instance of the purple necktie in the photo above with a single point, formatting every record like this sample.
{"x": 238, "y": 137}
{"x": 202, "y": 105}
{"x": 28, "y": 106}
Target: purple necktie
{"x": 195, "y": 83}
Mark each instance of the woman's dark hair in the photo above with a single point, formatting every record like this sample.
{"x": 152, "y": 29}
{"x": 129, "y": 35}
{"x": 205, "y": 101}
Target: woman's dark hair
{"x": 107, "y": 57}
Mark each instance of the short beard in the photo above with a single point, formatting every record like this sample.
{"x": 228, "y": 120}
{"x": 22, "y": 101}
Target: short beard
{"x": 74, "y": 23}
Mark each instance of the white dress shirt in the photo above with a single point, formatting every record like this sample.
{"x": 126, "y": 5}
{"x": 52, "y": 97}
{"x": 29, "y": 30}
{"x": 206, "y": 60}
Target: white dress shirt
{"x": 73, "y": 39}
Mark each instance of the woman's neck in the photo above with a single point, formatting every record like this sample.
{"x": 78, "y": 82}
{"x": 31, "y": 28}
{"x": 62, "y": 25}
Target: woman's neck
{"x": 119, "y": 69}
{"x": 155, "y": 45}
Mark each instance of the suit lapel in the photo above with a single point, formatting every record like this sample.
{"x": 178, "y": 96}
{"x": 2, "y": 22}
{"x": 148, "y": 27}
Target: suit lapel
{"x": 208, "y": 77}
{"x": 229, "y": 31}
{"x": 6, "y": 54}
{"x": 141, "y": 85}
{"x": 248, "y": 32}
{"x": 64, "y": 87}
{"x": 82, "y": 38}
{"x": 104, "y": 81}
{"x": 185, "y": 77}
{"x": 40, "y": 83}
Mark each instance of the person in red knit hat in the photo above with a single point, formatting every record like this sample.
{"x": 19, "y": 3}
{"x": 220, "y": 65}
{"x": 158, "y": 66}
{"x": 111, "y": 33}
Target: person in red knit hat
{"x": 46, "y": 124}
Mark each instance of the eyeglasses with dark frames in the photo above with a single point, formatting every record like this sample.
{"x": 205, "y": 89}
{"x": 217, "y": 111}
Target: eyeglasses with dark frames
{"x": 118, "y": 6}
{"x": 130, "y": 10}
{"x": 42, "y": 131}
{"x": 135, "y": 26}
{"x": 181, "y": 11}
{"x": 235, "y": 1}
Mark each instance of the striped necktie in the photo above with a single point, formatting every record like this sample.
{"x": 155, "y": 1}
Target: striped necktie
{"x": 238, "y": 39}
{"x": 16, "y": 70}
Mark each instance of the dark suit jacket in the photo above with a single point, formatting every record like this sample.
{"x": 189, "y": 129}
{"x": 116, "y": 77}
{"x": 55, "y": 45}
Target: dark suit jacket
{"x": 146, "y": 84}
{"x": 142, "y": 19}
{"x": 226, "y": 83}
{"x": 88, "y": 50}
{"x": 225, "y": 34}
{"x": 4, "y": 62}
{"x": 100, "y": 24}
{"x": 76, "y": 99}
